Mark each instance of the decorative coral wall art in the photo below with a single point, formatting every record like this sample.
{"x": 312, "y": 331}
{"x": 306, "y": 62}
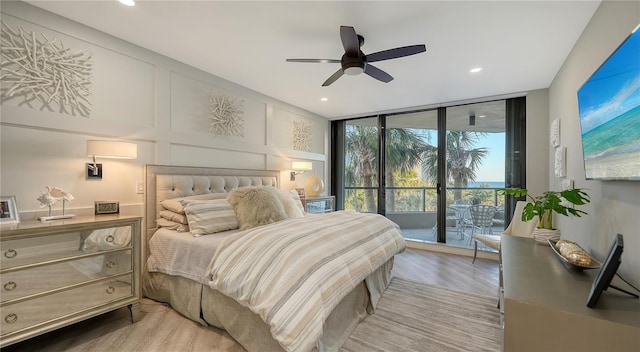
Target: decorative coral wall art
{"x": 301, "y": 135}
{"x": 226, "y": 115}
{"x": 554, "y": 133}
{"x": 44, "y": 71}
{"x": 560, "y": 163}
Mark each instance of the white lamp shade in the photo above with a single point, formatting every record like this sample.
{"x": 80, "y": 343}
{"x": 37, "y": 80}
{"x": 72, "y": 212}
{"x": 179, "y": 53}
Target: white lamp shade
{"x": 112, "y": 149}
{"x": 301, "y": 166}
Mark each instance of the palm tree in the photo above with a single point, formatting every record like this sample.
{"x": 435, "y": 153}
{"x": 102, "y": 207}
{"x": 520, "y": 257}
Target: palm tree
{"x": 362, "y": 159}
{"x": 404, "y": 150}
{"x": 462, "y": 160}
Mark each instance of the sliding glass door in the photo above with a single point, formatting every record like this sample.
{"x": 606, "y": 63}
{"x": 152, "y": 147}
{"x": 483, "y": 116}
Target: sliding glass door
{"x": 411, "y": 198}
{"x": 474, "y": 169}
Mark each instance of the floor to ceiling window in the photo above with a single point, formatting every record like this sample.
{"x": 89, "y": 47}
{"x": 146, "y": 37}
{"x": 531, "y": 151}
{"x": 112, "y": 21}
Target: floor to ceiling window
{"x": 361, "y": 165}
{"x": 429, "y": 168}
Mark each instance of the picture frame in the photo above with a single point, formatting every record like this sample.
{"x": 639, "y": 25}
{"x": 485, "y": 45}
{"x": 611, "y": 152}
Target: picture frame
{"x": 607, "y": 271}
{"x": 301, "y": 193}
{"x": 9, "y": 210}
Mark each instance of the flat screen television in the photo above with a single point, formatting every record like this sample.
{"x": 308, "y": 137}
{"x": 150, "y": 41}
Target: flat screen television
{"x": 609, "y": 107}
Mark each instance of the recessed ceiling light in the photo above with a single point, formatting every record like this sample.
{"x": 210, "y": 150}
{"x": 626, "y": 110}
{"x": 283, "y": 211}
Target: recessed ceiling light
{"x": 128, "y": 2}
{"x": 481, "y": 116}
{"x": 475, "y": 69}
{"x": 324, "y": 99}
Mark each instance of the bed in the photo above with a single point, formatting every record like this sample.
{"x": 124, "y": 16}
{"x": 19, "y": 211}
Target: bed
{"x": 312, "y": 309}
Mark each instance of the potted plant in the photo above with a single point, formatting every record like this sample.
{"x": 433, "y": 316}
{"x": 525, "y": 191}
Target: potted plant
{"x": 543, "y": 206}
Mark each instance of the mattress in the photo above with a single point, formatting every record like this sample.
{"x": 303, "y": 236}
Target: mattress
{"x": 180, "y": 254}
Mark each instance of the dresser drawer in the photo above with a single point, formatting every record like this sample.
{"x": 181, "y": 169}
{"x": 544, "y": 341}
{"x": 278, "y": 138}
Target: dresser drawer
{"x": 21, "y": 283}
{"x": 39, "y": 249}
{"x": 63, "y": 304}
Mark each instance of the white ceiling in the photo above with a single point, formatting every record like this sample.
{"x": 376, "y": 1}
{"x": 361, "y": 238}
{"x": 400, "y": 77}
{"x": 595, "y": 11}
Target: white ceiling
{"x": 520, "y": 45}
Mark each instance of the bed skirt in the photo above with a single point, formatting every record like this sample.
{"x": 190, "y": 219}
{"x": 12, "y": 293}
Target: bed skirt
{"x": 209, "y": 307}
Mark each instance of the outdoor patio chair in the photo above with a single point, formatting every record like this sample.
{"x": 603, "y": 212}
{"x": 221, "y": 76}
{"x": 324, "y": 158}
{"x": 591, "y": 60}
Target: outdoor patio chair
{"x": 516, "y": 227}
{"x": 481, "y": 219}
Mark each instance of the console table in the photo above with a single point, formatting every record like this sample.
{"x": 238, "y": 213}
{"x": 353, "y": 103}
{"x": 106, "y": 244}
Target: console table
{"x": 543, "y": 304}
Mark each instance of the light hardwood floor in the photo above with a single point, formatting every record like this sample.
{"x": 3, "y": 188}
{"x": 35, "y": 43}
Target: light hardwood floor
{"x": 162, "y": 329}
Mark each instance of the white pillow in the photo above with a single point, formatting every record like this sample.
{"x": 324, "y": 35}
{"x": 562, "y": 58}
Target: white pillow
{"x": 292, "y": 205}
{"x": 296, "y": 197}
{"x": 209, "y": 216}
{"x": 256, "y": 206}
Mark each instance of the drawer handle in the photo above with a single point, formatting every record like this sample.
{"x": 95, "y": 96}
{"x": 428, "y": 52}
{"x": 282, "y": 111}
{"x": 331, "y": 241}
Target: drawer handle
{"x": 111, "y": 289}
{"x": 109, "y": 238}
{"x": 111, "y": 264}
{"x": 10, "y": 253}
{"x": 11, "y": 318}
{"x": 10, "y": 286}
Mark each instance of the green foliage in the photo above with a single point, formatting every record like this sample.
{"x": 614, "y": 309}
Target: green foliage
{"x": 550, "y": 202}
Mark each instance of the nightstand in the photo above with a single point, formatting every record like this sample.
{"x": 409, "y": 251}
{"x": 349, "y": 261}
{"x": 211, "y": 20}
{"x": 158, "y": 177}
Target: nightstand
{"x": 60, "y": 272}
{"x": 320, "y": 204}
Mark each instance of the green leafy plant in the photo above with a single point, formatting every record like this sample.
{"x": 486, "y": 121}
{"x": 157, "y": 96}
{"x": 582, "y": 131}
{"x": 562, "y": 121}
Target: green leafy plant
{"x": 543, "y": 206}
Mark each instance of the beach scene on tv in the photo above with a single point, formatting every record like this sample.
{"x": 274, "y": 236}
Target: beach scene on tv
{"x": 609, "y": 106}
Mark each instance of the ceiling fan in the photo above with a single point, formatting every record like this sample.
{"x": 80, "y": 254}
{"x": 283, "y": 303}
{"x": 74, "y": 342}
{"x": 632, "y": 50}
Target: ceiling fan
{"x": 355, "y": 62}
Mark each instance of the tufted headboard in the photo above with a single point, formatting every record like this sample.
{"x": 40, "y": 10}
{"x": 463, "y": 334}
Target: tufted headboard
{"x": 167, "y": 182}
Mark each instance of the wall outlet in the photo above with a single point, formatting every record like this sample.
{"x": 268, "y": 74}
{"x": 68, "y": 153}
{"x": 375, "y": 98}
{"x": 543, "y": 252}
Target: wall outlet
{"x": 140, "y": 187}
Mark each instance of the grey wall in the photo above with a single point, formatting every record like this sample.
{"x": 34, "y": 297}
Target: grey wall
{"x": 615, "y": 206}
{"x": 142, "y": 97}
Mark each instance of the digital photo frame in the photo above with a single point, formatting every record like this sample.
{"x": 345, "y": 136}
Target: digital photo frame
{"x": 606, "y": 273}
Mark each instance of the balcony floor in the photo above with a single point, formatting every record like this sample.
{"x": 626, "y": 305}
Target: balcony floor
{"x": 453, "y": 237}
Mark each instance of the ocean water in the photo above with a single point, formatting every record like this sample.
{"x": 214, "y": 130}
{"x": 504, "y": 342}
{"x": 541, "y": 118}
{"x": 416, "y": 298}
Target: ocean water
{"x": 490, "y": 184}
{"x": 617, "y": 136}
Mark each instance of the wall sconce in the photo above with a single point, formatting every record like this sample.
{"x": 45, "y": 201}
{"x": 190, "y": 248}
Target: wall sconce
{"x": 299, "y": 167}
{"x": 108, "y": 149}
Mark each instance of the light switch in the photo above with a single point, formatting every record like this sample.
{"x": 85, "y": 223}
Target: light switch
{"x": 140, "y": 187}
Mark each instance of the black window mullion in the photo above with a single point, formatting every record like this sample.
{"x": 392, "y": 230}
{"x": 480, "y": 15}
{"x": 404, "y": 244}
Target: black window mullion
{"x": 441, "y": 186}
{"x": 382, "y": 153}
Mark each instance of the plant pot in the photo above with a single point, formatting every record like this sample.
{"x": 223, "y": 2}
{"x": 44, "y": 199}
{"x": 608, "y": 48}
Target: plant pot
{"x": 542, "y": 235}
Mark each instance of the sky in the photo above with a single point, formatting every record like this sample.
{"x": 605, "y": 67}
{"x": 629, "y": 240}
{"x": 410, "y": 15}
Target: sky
{"x": 614, "y": 88}
{"x": 492, "y": 169}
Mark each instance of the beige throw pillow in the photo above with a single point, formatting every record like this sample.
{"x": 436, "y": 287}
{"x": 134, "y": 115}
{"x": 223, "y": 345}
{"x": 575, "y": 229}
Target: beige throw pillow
{"x": 172, "y": 225}
{"x": 209, "y": 216}
{"x": 175, "y": 217}
{"x": 256, "y": 206}
{"x": 175, "y": 204}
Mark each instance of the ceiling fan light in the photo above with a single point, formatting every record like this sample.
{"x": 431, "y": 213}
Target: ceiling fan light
{"x": 352, "y": 71}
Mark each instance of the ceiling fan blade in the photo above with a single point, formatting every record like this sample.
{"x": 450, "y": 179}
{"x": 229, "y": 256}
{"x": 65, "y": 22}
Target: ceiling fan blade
{"x": 396, "y": 53}
{"x": 334, "y": 77}
{"x": 320, "y": 61}
{"x": 350, "y": 41}
{"x": 377, "y": 73}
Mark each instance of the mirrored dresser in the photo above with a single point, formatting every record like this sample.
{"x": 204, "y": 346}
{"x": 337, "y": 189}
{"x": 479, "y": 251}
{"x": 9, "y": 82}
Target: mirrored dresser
{"x": 60, "y": 272}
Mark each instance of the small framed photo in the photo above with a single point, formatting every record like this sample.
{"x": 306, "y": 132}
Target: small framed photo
{"x": 9, "y": 210}
{"x": 301, "y": 193}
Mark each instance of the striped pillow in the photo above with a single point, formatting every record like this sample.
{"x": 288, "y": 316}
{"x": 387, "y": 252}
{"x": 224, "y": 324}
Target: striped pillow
{"x": 209, "y": 216}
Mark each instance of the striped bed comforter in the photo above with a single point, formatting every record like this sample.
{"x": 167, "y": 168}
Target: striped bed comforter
{"x": 294, "y": 272}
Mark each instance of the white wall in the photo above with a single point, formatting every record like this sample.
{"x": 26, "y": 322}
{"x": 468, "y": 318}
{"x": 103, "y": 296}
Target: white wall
{"x": 537, "y": 135}
{"x": 142, "y": 97}
{"x": 615, "y": 206}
